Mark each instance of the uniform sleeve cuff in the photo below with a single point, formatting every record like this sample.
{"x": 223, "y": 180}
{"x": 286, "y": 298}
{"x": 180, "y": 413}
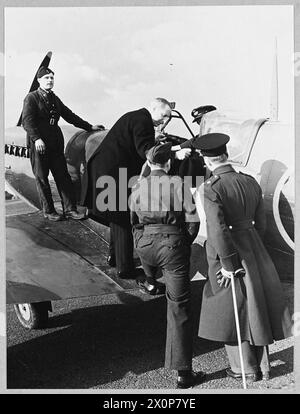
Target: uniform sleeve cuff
{"x": 231, "y": 263}
{"x": 186, "y": 144}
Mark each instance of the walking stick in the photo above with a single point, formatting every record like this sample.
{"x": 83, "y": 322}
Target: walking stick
{"x": 237, "y": 323}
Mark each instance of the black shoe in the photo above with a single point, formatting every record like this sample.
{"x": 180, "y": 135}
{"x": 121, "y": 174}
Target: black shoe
{"x": 73, "y": 214}
{"x": 127, "y": 274}
{"x": 54, "y": 216}
{"x": 111, "y": 260}
{"x": 146, "y": 287}
{"x": 191, "y": 379}
{"x": 238, "y": 376}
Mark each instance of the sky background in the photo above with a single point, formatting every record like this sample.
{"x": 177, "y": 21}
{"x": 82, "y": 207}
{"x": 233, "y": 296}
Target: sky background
{"x": 110, "y": 60}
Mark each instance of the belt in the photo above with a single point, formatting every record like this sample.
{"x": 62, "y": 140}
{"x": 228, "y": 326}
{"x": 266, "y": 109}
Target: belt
{"x": 241, "y": 225}
{"x": 159, "y": 228}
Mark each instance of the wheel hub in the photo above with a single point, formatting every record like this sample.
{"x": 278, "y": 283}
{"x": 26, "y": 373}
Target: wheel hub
{"x": 24, "y": 311}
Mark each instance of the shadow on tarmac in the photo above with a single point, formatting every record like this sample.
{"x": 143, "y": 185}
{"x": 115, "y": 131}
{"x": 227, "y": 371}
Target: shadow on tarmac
{"x": 94, "y": 346}
{"x": 285, "y": 359}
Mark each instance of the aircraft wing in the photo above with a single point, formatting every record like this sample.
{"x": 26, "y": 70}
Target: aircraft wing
{"x": 49, "y": 261}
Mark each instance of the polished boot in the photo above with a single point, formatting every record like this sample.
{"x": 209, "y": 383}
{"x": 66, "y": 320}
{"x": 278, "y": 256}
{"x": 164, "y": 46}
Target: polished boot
{"x": 236, "y": 375}
{"x": 54, "y": 216}
{"x": 73, "y": 214}
{"x": 127, "y": 274}
{"x": 111, "y": 260}
{"x": 131, "y": 273}
{"x": 190, "y": 378}
{"x": 151, "y": 289}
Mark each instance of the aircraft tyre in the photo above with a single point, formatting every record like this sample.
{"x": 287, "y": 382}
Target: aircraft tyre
{"x": 33, "y": 315}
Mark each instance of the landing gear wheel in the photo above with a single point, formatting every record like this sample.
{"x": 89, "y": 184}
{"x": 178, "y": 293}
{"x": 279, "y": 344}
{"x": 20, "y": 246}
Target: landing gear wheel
{"x": 33, "y": 315}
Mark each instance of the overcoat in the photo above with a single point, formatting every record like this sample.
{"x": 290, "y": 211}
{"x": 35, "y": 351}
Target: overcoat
{"x": 124, "y": 146}
{"x": 38, "y": 109}
{"x": 235, "y": 217}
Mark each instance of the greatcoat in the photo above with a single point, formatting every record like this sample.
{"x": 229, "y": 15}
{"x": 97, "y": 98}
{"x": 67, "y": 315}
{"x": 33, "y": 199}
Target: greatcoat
{"x": 124, "y": 146}
{"x": 234, "y": 211}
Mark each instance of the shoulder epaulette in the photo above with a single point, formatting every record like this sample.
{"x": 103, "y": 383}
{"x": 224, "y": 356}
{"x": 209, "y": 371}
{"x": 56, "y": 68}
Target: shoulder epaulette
{"x": 212, "y": 180}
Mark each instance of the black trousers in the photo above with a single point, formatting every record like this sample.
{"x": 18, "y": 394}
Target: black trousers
{"x": 160, "y": 249}
{"x": 56, "y": 163}
{"x": 121, "y": 245}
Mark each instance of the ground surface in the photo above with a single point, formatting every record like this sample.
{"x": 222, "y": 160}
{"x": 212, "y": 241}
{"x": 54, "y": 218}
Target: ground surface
{"x": 116, "y": 342}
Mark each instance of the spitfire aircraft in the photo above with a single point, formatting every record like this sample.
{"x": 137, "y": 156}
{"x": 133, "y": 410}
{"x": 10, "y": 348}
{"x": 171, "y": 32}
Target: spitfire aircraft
{"x": 47, "y": 262}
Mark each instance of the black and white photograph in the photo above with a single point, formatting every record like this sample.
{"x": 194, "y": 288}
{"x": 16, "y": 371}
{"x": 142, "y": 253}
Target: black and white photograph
{"x": 149, "y": 212}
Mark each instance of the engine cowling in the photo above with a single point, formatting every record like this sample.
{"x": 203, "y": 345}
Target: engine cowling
{"x": 79, "y": 149}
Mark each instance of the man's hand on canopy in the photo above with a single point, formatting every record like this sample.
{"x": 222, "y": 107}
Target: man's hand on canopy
{"x": 183, "y": 153}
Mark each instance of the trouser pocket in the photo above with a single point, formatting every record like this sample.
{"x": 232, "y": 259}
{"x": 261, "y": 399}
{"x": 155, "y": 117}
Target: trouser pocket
{"x": 144, "y": 241}
{"x": 174, "y": 242}
{"x": 140, "y": 240}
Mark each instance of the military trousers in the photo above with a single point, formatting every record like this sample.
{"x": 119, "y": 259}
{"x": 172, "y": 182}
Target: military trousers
{"x": 255, "y": 358}
{"x": 167, "y": 248}
{"x": 55, "y": 162}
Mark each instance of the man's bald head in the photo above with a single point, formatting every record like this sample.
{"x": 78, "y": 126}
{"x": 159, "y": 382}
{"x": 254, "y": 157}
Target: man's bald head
{"x": 160, "y": 110}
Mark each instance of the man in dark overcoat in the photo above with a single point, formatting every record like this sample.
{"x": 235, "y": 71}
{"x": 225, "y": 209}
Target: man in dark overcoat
{"x": 41, "y": 112}
{"x": 165, "y": 223}
{"x": 235, "y": 218}
{"x": 120, "y": 157}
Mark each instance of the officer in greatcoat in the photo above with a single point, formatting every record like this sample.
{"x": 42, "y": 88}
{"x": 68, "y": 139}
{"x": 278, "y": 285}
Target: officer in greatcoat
{"x": 235, "y": 218}
{"x": 41, "y": 112}
{"x": 165, "y": 223}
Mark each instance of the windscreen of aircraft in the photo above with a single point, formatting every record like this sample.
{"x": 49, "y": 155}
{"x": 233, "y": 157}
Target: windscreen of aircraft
{"x": 242, "y": 134}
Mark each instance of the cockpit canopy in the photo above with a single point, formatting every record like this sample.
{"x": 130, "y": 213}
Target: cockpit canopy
{"x": 242, "y": 133}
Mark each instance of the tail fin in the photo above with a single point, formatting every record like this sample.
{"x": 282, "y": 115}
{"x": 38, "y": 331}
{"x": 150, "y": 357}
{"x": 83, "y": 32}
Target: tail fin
{"x": 45, "y": 62}
{"x": 274, "y": 88}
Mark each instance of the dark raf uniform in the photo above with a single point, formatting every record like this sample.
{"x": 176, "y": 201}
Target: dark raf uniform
{"x": 235, "y": 217}
{"x": 41, "y": 113}
{"x": 123, "y": 149}
{"x": 165, "y": 223}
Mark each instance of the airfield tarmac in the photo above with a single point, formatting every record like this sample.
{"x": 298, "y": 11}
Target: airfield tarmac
{"x": 116, "y": 342}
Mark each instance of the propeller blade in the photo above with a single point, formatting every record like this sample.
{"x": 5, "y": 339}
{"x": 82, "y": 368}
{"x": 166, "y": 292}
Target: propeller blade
{"x": 45, "y": 62}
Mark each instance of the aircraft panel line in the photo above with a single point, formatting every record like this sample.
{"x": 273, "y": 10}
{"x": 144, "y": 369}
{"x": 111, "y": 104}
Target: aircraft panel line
{"x": 77, "y": 253}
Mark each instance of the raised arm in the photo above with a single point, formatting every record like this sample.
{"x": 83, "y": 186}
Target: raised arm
{"x": 72, "y": 118}
{"x": 144, "y": 138}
